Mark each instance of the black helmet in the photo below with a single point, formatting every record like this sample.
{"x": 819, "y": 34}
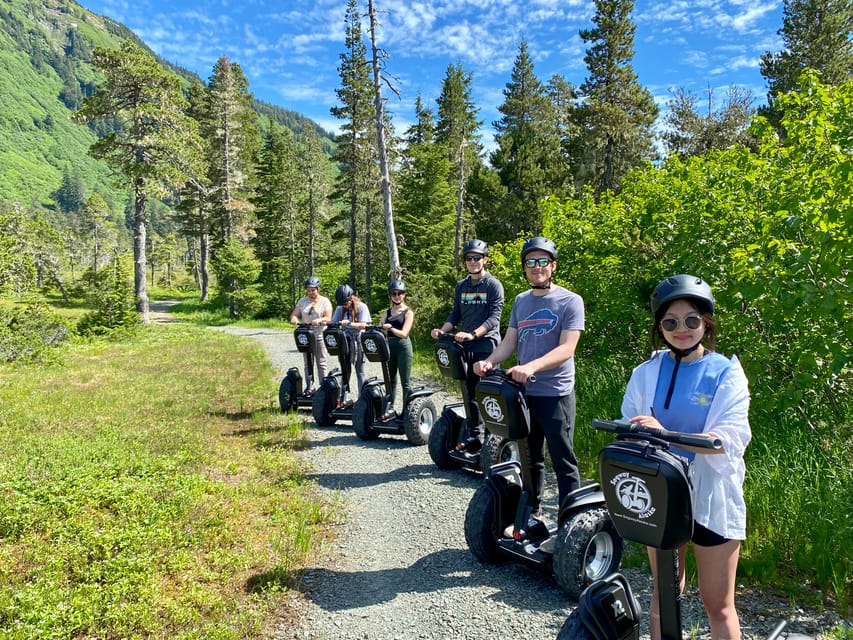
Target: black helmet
{"x": 541, "y": 243}
{"x": 475, "y": 246}
{"x": 396, "y": 285}
{"x": 312, "y": 281}
{"x": 343, "y": 294}
{"x": 682, "y": 286}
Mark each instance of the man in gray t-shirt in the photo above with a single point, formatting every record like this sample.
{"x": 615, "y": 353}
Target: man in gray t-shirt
{"x": 545, "y": 325}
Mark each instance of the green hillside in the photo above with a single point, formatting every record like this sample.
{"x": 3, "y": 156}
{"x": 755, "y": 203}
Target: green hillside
{"x": 45, "y": 48}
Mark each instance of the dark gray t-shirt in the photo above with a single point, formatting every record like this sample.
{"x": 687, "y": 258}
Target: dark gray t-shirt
{"x": 539, "y": 321}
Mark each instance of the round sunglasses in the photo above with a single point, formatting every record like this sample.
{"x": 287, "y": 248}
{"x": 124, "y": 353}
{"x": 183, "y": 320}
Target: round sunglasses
{"x": 690, "y": 322}
{"x": 537, "y": 262}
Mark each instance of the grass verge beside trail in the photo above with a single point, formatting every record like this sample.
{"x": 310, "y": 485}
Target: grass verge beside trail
{"x": 150, "y": 491}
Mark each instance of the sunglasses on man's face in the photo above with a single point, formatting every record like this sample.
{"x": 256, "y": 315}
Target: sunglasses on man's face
{"x": 394, "y": 294}
{"x": 671, "y": 324}
{"x": 537, "y": 262}
{"x": 473, "y": 258}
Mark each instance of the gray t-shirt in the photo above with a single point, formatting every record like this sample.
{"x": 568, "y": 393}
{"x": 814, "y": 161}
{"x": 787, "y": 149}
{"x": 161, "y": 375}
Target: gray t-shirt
{"x": 539, "y": 321}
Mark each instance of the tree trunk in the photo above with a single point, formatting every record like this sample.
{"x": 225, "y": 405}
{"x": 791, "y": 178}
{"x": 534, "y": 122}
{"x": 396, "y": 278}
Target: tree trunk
{"x": 391, "y": 236}
{"x": 140, "y": 285}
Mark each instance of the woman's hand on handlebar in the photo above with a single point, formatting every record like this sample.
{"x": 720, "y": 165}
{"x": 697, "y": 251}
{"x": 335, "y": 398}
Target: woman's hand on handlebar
{"x": 650, "y": 422}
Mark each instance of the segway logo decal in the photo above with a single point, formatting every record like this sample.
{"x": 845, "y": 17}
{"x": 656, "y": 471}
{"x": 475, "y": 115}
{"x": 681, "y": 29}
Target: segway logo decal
{"x": 537, "y": 324}
{"x": 302, "y": 339}
{"x": 331, "y": 341}
{"x": 370, "y": 345}
{"x": 443, "y": 357}
{"x": 493, "y": 409}
{"x": 633, "y": 495}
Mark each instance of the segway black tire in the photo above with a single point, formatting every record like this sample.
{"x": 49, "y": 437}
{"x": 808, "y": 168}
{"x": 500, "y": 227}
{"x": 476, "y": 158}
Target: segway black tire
{"x": 588, "y": 548}
{"x": 287, "y": 395}
{"x": 440, "y": 443}
{"x": 419, "y": 420}
{"x": 497, "y": 450}
{"x": 321, "y": 408}
{"x": 574, "y": 628}
{"x": 481, "y": 527}
{"x": 362, "y": 419}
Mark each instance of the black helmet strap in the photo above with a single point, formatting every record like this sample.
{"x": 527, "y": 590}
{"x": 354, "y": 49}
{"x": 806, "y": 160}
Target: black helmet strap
{"x": 680, "y": 354}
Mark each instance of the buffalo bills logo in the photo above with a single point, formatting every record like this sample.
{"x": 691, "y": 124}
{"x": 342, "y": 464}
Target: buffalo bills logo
{"x": 537, "y": 324}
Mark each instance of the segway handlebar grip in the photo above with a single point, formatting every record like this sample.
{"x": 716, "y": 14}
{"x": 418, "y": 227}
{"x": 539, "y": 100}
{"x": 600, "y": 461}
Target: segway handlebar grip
{"x": 674, "y": 437}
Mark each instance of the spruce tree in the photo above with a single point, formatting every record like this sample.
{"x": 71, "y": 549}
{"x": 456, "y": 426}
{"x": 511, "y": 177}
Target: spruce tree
{"x": 528, "y": 158}
{"x": 457, "y": 131}
{"x": 616, "y": 118}
{"x": 354, "y": 152}
{"x": 816, "y": 35}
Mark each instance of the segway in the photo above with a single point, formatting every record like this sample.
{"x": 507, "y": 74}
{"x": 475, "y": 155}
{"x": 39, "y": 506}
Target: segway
{"x": 452, "y": 425}
{"x": 330, "y": 402}
{"x": 647, "y": 490}
{"x": 373, "y": 413}
{"x": 499, "y": 522}
{"x": 290, "y": 393}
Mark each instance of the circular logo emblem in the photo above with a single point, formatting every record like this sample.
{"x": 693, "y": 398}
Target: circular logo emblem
{"x": 331, "y": 341}
{"x": 634, "y": 495}
{"x": 493, "y": 409}
{"x": 443, "y": 357}
{"x": 302, "y": 339}
{"x": 370, "y": 345}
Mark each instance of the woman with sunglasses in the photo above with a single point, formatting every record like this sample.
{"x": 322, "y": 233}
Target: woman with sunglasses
{"x": 477, "y": 304}
{"x": 685, "y": 386}
{"x": 397, "y": 321}
{"x": 354, "y": 316}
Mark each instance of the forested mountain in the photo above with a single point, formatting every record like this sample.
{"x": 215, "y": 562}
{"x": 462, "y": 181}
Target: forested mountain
{"x": 45, "y": 73}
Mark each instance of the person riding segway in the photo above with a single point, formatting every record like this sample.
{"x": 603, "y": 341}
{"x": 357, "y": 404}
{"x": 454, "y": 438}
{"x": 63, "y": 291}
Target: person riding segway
{"x": 545, "y": 326}
{"x": 478, "y": 301}
{"x": 333, "y": 400}
{"x": 374, "y": 412}
{"x": 309, "y": 314}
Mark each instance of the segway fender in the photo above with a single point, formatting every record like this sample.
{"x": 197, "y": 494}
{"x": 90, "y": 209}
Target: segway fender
{"x": 419, "y": 392}
{"x": 505, "y": 485}
{"x": 579, "y": 500}
{"x": 609, "y": 610}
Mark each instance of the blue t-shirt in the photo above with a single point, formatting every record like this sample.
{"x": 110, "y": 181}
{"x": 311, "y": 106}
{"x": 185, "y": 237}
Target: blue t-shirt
{"x": 695, "y": 385}
{"x": 539, "y": 321}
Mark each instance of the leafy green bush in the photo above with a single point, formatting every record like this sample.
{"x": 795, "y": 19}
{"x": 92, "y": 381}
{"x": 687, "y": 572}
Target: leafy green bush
{"x": 28, "y": 334}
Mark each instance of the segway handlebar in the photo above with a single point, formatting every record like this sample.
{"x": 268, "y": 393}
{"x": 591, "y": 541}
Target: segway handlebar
{"x": 502, "y": 373}
{"x": 634, "y": 430}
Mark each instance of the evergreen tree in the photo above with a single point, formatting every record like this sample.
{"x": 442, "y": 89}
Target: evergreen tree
{"x": 313, "y": 166}
{"x": 616, "y": 118}
{"x": 278, "y": 224}
{"x": 528, "y": 158}
{"x": 816, "y": 35}
{"x": 235, "y": 139}
{"x": 194, "y": 213}
{"x": 456, "y": 130}
{"x": 154, "y": 149}
{"x": 354, "y": 153}
{"x": 71, "y": 195}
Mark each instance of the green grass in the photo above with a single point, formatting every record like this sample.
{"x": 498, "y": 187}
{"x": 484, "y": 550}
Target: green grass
{"x": 150, "y": 491}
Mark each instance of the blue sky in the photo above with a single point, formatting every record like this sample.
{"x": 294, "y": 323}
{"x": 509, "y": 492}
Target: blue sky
{"x": 290, "y": 50}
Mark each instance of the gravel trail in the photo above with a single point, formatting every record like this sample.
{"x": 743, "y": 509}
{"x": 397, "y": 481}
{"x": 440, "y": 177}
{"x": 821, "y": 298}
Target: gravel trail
{"x": 399, "y": 567}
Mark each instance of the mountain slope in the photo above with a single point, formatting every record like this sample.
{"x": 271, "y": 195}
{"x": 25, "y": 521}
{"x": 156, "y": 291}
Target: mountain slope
{"x": 45, "y": 48}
